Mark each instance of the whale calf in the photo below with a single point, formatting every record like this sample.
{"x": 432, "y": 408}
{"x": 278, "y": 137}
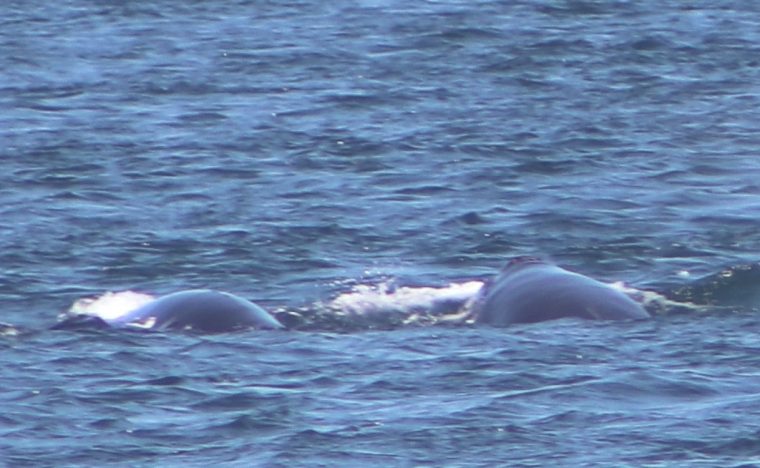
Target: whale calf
{"x": 531, "y": 290}
{"x": 201, "y": 310}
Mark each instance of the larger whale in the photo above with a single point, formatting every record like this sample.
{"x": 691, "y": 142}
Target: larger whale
{"x": 199, "y": 310}
{"x": 531, "y": 290}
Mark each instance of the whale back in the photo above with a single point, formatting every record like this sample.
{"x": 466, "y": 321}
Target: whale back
{"x": 528, "y": 290}
{"x": 200, "y": 310}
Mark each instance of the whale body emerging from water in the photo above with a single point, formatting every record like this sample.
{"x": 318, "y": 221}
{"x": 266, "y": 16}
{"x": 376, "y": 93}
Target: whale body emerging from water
{"x": 530, "y": 290}
{"x": 200, "y": 310}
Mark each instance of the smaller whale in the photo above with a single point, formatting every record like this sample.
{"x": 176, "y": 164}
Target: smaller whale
{"x": 529, "y": 290}
{"x": 199, "y": 310}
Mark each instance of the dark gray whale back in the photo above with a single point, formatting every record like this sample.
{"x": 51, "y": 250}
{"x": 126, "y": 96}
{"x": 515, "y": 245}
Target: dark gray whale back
{"x": 200, "y": 310}
{"x": 530, "y": 290}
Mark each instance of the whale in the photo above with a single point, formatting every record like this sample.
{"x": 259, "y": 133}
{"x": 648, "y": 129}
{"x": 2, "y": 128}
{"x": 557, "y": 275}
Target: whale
{"x": 197, "y": 310}
{"x": 202, "y": 310}
{"x": 529, "y": 290}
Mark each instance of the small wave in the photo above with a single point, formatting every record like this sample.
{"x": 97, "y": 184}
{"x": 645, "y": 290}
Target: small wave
{"x": 7, "y": 329}
{"x": 732, "y": 287}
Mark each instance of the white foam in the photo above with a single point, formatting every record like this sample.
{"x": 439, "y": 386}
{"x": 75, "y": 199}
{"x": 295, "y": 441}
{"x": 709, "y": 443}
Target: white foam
{"x": 653, "y": 301}
{"x": 111, "y": 305}
{"x": 383, "y": 299}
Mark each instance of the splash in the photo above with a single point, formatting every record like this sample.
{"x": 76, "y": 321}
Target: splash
{"x": 407, "y": 305}
{"x": 109, "y": 306}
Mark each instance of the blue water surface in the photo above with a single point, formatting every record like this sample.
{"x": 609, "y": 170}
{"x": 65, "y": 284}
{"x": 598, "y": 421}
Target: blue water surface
{"x": 288, "y": 151}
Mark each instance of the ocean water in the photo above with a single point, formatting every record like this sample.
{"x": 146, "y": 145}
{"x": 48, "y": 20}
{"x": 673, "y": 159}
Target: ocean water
{"x": 353, "y": 164}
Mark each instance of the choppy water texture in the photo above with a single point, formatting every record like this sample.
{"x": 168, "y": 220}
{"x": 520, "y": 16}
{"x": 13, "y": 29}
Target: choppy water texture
{"x": 295, "y": 152}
